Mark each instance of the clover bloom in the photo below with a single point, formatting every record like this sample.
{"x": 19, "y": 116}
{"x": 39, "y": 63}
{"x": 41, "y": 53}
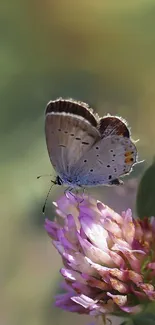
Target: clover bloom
{"x": 108, "y": 258}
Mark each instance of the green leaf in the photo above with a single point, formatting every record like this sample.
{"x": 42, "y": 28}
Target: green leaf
{"x": 145, "y": 195}
{"x": 127, "y": 322}
{"x": 143, "y": 319}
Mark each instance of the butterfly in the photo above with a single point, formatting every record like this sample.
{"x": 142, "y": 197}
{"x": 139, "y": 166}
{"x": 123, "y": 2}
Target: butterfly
{"x": 84, "y": 149}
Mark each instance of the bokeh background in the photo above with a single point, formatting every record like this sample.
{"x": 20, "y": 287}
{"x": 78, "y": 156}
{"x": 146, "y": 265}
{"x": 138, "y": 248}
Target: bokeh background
{"x": 101, "y": 52}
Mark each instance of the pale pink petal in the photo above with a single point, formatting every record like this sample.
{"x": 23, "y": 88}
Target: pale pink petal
{"x": 51, "y": 228}
{"x": 81, "y": 288}
{"x": 94, "y": 253}
{"x": 148, "y": 289}
{"x": 120, "y": 300}
{"x": 117, "y": 259}
{"x": 64, "y": 241}
{"x": 107, "y": 212}
{"x": 84, "y": 301}
{"x": 132, "y": 309}
{"x": 112, "y": 227}
{"x": 135, "y": 263}
{"x": 138, "y": 230}
{"x": 94, "y": 231}
{"x": 135, "y": 277}
{"x": 58, "y": 246}
{"x": 71, "y": 229}
{"x": 91, "y": 211}
{"x": 78, "y": 262}
{"x": 128, "y": 229}
{"x": 93, "y": 282}
{"x": 67, "y": 205}
{"x": 72, "y": 275}
{"x": 151, "y": 265}
{"x": 119, "y": 286}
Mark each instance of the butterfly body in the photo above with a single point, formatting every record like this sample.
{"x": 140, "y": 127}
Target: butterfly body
{"x": 84, "y": 149}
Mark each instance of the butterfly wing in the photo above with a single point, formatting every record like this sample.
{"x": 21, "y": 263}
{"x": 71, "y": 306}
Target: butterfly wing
{"x": 106, "y": 161}
{"x": 70, "y": 129}
{"x": 113, "y": 125}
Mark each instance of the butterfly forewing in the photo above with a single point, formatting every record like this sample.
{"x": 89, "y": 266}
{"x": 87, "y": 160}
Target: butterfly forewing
{"x": 68, "y": 137}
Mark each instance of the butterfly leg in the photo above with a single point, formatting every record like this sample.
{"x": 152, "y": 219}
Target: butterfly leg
{"x": 78, "y": 196}
{"x": 83, "y": 192}
{"x": 68, "y": 189}
{"x": 75, "y": 196}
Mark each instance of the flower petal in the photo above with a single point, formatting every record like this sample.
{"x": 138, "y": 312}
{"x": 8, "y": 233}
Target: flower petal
{"x": 51, "y": 228}
{"x": 119, "y": 286}
{"x": 94, "y": 231}
{"x": 94, "y": 253}
{"x": 128, "y": 229}
{"x": 109, "y": 260}
{"x": 120, "y": 300}
{"x": 64, "y": 241}
{"x": 78, "y": 262}
{"x": 84, "y": 301}
{"x": 64, "y": 301}
{"x": 72, "y": 276}
{"x": 93, "y": 282}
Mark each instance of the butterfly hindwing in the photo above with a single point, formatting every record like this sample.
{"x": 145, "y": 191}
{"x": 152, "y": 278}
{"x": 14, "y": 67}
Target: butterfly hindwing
{"x": 113, "y": 125}
{"x": 106, "y": 161}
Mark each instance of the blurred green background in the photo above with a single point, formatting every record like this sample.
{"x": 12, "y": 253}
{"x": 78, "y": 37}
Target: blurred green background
{"x": 101, "y": 52}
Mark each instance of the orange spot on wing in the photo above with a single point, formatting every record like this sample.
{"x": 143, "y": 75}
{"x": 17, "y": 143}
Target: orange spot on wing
{"x": 128, "y": 153}
{"x": 128, "y": 160}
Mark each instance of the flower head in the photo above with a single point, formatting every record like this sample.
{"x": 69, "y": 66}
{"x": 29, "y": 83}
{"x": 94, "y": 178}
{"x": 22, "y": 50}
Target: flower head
{"x": 109, "y": 259}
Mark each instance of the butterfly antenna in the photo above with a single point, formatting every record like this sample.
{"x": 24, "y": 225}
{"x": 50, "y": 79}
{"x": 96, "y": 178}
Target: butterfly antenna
{"x": 44, "y": 206}
{"x": 43, "y": 176}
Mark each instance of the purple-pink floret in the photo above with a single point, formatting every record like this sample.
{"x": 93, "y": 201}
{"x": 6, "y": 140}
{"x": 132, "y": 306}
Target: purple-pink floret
{"x": 109, "y": 259}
